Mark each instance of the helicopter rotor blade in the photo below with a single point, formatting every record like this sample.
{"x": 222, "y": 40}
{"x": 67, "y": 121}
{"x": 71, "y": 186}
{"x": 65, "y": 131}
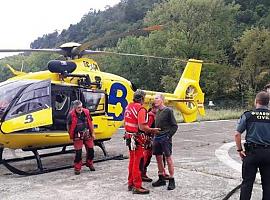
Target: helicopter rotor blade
{"x": 84, "y": 46}
{"x": 60, "y": 51}
{"x": 86, "y": 52}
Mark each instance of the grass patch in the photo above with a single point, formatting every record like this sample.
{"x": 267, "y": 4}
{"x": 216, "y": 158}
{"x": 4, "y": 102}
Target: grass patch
{"x": 211, "y": 114}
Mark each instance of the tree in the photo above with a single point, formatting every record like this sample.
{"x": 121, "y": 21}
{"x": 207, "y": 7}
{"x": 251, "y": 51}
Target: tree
{"x": 196, "y": 28}
{"x": 253, "y": 57}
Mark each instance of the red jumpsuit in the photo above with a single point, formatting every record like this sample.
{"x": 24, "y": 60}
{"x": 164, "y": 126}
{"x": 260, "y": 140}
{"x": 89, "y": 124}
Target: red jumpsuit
{"x": 135, "y": 114}
{"x": 80, "y": 138}
{"x": 147, "y": 154}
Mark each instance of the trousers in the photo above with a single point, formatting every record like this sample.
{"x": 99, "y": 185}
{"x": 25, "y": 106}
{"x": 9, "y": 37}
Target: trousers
{"x": 257, "y": 158}
{"x": 89, "y": 147}
{"x": 135, "y": 166}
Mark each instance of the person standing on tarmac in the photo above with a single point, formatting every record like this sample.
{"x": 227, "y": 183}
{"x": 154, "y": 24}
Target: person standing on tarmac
{"x": 162, "y": 143}
{"x": 136, "y": 119}
{"x": 81, "y": 131}
{"x": 148, "y": 147}
{"x": 256, "y": 153}
{"x": 147, "y": 153}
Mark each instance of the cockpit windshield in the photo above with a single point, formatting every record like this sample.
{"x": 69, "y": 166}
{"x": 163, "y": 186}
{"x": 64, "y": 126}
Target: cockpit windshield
{"x": 8, "y": 90}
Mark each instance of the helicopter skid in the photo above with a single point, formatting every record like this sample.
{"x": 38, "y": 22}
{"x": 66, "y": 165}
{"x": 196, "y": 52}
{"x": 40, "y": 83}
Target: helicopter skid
{"x": 40, "y": 169}
{"x": 46, "y": 170}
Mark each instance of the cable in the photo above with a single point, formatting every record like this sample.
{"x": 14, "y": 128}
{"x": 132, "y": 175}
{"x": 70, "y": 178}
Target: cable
{"x": 231, "y": 192}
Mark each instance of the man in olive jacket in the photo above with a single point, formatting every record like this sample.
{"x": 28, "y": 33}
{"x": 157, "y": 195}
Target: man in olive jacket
{"x": 162, "y": 143}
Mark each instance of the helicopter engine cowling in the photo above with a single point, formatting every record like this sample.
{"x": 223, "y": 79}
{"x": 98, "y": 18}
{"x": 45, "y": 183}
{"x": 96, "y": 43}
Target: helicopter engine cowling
{"x": 62, "y": 67}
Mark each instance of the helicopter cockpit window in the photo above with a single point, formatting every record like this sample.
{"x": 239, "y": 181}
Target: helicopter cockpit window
{"x": 35, "y": 97}
{"x": 7, "y": 93}
{"x": 94, "y": 101}
{"x": 34, "y": 94}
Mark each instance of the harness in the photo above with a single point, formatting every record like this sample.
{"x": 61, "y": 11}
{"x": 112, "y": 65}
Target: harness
{"x": 85, "y": 134}
{"x": 134, "y": 137}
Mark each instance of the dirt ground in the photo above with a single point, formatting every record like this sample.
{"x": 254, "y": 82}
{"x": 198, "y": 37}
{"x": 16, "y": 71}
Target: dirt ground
{"x": 199, "y": 174}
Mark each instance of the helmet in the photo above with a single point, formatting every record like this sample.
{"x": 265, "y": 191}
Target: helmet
{"x": 138, "y": 95}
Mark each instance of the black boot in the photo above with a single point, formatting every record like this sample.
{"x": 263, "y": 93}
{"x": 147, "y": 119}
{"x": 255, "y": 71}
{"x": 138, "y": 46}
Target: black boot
{"x": 161, "y": 181}
{"x": 171, "y": 184}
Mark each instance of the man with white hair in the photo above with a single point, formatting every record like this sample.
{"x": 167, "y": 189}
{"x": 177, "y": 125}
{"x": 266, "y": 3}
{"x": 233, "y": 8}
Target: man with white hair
{"x": 162, "y": 143}
{"x": 81, "y": 131}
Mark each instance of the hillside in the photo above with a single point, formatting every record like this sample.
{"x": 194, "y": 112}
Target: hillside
{"x": 232, "y": 37}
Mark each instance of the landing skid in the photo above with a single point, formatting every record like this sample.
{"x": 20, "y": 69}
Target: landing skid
{"x": 102, "y": 146}
{"x": 41, "y": 170}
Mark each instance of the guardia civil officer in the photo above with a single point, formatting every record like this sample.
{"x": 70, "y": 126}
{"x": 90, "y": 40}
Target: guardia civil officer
{"x": 81, "y": 131}
{"x": 256, "y": 154}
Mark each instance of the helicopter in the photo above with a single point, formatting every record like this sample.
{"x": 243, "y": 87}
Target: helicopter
{"x": 34, "y": 106}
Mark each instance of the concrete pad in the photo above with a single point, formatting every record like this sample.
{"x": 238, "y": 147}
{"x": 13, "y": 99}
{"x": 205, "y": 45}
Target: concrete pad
{"x": 199, "y": 174}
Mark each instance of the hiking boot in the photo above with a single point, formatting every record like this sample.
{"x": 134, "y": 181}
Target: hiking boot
{"x": 130, "y": 187}
{"x": 145, "y": 178}
{"x": 171, "y": 184}
{"x": 140, "y": 191}
{"x": 91, "y": 167}
{"x": 161, "y": 181}
{"x": 77, "y": 172}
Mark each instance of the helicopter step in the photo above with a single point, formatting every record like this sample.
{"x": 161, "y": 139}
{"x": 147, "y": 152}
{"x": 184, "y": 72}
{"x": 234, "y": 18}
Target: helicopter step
{"x": 40, "y": 169}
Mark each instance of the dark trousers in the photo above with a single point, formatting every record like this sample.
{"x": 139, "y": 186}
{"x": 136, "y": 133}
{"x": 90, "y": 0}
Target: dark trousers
{"x": 257, "y": 158}
{"x": 147, "y": 155}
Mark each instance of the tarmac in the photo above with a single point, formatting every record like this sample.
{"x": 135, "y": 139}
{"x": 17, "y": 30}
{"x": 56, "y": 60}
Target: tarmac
{"x": 207, "y": 167}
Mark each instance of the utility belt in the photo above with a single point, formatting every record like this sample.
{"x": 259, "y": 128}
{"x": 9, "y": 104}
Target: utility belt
{"x": 252, "y": 146}
{"x": 133, "y": 140}
{"x": 128, "y": 135}
{"x": 83, "y": 135}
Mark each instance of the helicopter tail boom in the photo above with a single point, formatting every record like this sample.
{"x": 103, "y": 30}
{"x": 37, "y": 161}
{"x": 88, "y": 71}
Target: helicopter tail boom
{"x": 188, "y": 88}
{"x": 188, "y": 97}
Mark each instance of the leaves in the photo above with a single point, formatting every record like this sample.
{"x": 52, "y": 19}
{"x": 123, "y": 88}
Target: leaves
{"x": 231, "y": 35}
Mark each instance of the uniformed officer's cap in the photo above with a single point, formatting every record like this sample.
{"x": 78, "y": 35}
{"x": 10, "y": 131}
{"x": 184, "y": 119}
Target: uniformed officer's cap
{"x": 139, "y": 95}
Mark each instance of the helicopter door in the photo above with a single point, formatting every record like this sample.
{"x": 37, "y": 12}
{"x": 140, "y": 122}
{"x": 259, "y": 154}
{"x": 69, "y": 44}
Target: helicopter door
{"x": 31, "y": 109}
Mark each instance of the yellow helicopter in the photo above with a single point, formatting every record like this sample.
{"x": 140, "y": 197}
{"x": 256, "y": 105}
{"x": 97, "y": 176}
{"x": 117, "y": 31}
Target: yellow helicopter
{"x": 34, "y": 106}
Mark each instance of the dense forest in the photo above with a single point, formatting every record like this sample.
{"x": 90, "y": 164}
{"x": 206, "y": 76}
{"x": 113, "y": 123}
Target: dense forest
{"x": 232, "y": 37}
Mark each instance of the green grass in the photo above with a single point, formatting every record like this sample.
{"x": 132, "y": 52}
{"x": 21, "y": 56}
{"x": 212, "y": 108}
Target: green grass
{"x": 211, "y": 114}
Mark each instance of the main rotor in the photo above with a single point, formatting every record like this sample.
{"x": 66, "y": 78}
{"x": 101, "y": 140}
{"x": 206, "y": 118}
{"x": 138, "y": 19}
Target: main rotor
{"x": 72, "y": 50}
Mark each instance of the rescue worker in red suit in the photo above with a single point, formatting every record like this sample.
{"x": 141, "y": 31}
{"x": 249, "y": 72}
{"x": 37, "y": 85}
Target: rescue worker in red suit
{"x": 136, "y": 119}
{"x": 147, "y": 154}
{"x": 81, "y": 131}
{"x": 148, "y": 147}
